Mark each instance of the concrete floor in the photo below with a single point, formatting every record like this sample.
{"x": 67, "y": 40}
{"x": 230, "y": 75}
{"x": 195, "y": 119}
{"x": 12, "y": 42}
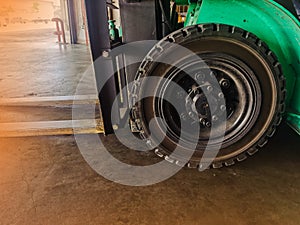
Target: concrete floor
{"x": 45, "y": 180}
{"x": 33, "y": 64}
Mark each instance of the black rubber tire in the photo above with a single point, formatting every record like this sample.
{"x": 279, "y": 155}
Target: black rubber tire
{"x": 243, "y": 46}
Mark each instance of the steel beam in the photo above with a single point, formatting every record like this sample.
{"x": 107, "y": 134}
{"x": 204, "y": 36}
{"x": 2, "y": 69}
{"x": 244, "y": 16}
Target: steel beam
{"x": 97, "y": 20}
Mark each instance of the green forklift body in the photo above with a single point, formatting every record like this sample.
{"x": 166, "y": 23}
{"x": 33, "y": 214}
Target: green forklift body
{"x": 273, "y": 24}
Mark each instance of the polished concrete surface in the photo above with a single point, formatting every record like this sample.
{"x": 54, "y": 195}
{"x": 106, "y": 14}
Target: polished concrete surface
{"x": 33, "y": 64}
{"x": 45, "y": 180}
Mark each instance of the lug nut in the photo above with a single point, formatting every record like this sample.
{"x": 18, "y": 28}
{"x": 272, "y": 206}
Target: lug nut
{"x": 221, "y": 95}
{"x": 202, "y": 121}
{"x": 223, "y": 107}
{"x": 209, "y": 88}
{"x": 214, "y": 118}
{"x": 208, "y": 124}
{"x": 199, "y": 76}
{"x": 225, "y": 83}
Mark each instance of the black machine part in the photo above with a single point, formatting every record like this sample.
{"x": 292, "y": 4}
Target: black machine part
{"x": 97, "y": 19}
{"x": 138, "y": 20}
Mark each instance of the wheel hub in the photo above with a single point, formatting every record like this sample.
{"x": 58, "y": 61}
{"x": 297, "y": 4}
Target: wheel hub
{"x": 198, "y": 108}
{"x": 196, "y": 103}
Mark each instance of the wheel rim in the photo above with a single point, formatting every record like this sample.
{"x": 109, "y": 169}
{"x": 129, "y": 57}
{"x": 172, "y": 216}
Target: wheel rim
{"x": 240, "y": 90}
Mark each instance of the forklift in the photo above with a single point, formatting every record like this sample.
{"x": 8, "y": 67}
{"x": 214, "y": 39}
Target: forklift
{"x": 250, "y": 50}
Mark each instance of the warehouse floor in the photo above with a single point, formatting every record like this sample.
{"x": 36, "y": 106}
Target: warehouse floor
{"x": 45, "y": 180}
